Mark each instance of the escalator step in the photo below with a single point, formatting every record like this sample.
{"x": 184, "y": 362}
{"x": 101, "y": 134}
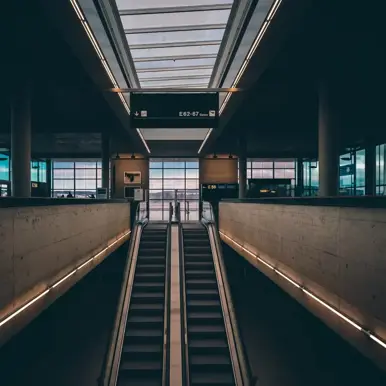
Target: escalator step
{"x": 202, "y": 292}
{"x": 142, "y": 348}
{"x": 205, "y": 315}
{"x": 219, "y": 379}
{"x": 148, "y": 295}
{"x": 147, "y": 307}
{"x": 141, "y": 365}
{"x": 139, "y": 382}
{"x": 210, "y": 360}
{"x": 145, "y": 319}
{"x": 206, "y": 329}
{"x": 143, "y": 333}
{"x": 203, "y": 303}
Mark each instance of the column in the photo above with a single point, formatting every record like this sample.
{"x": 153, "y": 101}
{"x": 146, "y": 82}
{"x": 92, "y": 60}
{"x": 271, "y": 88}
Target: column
{"x": 299, "y": 177}
{"x": 21, "y": 142}
{"x": 106, "y": 163}
{"x": 242, "y": 168}
{"x": 328, "y": 143}
{"x": 370, "y": 169}
{"x": 49, "y": 177}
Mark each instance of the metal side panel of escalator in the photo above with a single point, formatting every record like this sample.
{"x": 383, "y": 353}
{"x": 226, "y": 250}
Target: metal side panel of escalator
{"x": 209, "y": 358}
{"x": 138, "y": 349}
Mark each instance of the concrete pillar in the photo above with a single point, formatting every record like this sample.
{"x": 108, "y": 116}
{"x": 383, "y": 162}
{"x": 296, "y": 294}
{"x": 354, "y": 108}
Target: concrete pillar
{"x": 106, "y": 163}
{"x": 21, "y": 142}
{"x": 242, "y": 167}
{"x": 49, "y": 177}
{"x": 370, "y": 169}
{"x": 328, "y": 143}
{"x": 299, "y": 177}
{"x": 242, "y": 176}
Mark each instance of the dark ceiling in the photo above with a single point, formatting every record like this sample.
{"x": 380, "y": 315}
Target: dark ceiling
{"x": 66, "y": 102}
{"x": 278, "y": 113}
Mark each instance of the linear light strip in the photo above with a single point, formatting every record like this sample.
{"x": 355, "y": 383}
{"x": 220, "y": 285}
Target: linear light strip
{"x": 143, "y": 140}
{"x": 310, "y": 294}
{"x": 63, "y": 279}
{"x": 275, "y": 6}
{"x": 103, "y": 60}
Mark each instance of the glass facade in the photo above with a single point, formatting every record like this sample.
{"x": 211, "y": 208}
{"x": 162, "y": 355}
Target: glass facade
{"x": 80, "y": 178}
{"x": 272, "y": 168}
{"x": 381, "y": 171}
{"x": 165, "y": 177}
{"x": 38, "y": 169}
{"x": 311, "y": 177}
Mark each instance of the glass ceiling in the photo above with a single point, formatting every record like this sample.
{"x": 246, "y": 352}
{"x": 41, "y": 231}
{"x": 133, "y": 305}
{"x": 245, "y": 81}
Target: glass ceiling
{"x": 174, "y": 43}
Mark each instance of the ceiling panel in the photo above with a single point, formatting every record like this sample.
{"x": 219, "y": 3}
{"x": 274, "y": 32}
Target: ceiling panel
{"x": 171, "y": 83}
{"x": 175, "y": 51}
{"x": 174, "y": 134}
{"x": 143, "y": 4}
{"x": 169, "y": 73}
{"x": 175, "y": 37}
{"x": 178, "y": 19}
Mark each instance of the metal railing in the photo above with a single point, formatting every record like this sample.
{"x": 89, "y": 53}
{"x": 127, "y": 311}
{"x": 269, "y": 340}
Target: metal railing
{"x": 111, "y": 360}
{"x": 242, "y": 366}
{"x": 166, "y": 347}
{"x": 183, "y": 311}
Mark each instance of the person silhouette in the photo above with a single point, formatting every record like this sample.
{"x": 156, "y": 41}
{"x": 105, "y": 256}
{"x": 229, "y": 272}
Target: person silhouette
{"x": 69, "y": 195}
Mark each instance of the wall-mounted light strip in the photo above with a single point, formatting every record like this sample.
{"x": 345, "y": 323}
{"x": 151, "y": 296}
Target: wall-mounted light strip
{"x": 98, "y": 50}
{"x": 275, "y": 6}
{"x": 62, "y": 280}
{"x": 309, "y": 293}
{"x": 203, "y": 142}
{"x": 143, "y": 140}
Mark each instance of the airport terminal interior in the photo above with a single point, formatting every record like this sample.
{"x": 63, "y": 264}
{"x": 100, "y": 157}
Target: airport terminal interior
{"x": 193, "y": 192}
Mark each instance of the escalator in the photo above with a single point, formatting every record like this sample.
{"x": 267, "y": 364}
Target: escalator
{"x": 139, "y": 348}
{"x": 209, "y": 360}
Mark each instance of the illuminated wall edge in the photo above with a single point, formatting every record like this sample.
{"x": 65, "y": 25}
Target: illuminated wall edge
{"x": 105, "y": 65}
{"x": 8, "y": 318}
{"x": 302, "y": 288}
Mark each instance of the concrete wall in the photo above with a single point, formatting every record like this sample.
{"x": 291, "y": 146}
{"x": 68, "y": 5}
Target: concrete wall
{"x": 125, "y": 165}
{"x": 40, "y": 245}
{"x": 218, "y": 170}
{"x": 338, "y": 253}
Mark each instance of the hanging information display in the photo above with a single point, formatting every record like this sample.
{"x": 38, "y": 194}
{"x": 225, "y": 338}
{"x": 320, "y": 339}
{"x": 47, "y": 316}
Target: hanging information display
{"x": 196, "y": 110}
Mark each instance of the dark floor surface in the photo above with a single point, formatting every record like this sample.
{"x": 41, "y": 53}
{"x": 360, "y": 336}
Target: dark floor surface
{"x": 66, "y": 344}
{"x": 287, "y": 345}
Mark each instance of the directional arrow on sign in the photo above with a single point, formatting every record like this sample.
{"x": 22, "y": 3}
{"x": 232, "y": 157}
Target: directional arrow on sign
{"x": 136, "y": 114}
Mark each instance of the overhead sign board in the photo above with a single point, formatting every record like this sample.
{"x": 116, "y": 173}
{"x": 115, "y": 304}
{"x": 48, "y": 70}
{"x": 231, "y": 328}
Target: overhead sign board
{"x": 196, "y": 110}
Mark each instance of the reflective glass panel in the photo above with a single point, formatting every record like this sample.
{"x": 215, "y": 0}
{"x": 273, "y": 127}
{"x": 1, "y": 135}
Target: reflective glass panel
{"x": 177, "y": 63}
{"x": 174, "y": 184}
{"x": 155, "y": 173}
{"x": 178, "y": 36}
{"x": 174, "y": 173}
{"x": 192, "y": 173}
{"x": 179, "y": 19}
{"x": 174, "y": 51}
{"x": 169, "y": 74}
{"x": 160, "y": 83}
{"x": 135, "y": 4}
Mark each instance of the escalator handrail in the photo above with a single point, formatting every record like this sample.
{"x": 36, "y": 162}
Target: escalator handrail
{"x": 246, "y": 373}
{"x": 107, "y": 366}
{"x": 166, "y": 348}
{"x": 183, "y": 311}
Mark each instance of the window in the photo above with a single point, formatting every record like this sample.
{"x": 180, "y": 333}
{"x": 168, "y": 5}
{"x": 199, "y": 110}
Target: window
{"x": 272, "y": 169}
{"x": 4, "y": 167}
{"x": 81, "y": 178}
{"x": 167, "y": 176}
{"x": 380, "y": 170}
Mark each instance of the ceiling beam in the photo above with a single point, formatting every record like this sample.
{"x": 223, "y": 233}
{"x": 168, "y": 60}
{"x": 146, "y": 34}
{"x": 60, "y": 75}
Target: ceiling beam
{"x": 181, "y": 68}
{"x": 183, "y": 77}
{"x": 178, "y": 9}
{"x": 174, "y": 58}
{"x": 175, "y": 44}
{"x": 176, "y": 28}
